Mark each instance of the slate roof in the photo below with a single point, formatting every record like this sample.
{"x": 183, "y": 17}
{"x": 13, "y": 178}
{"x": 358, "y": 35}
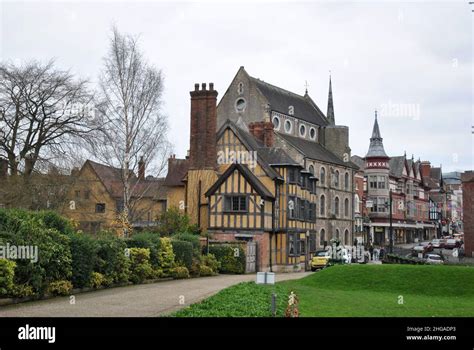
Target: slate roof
{"x": 112, "y": 180}
{"x": 396, "y": 165}
{"x": 177, "y": 170}
{"x": 280, "y": 99}
{"x": 316, "y": 151}
{"x": 376, "y": 142}
{"x": 359, "y": 161}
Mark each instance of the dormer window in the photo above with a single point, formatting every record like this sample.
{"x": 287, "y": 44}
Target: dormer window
{"x": 312, "y": 133}
{"x": 302, "y": 130}
{"x": 291, "y": 110}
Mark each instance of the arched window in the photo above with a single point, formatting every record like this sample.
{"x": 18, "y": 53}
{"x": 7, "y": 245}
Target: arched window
{"x": 346, "y": 207}
{"x": 322, "y": 176}
{"x": 276, "y": 123}
{"x": 322, "y": 237}
{"x": 288, "y": 126}
{"x": 312, "y": 133}
{"x": 311, "y": 169}
{"x": 356, "y": 203}
{"x": 336, "y": 206}
{"x": 337, "y": 233}
{"x": 322, "y": 206}
{"x": 346, "y": 181}
{"x": 336, "y": 179}
{"x": 302, "y": 130}
{"x": 346, "y": 237}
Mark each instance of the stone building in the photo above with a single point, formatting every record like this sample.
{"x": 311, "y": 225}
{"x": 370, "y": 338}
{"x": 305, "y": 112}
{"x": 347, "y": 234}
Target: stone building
{"x": 467, "y": 179}
{"x": 309, "y": 137}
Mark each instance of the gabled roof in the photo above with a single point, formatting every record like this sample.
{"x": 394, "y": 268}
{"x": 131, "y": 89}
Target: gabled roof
{"x": 396, "y": 165}
{"x": 359, "y": 161}
{"x": 280, "y": 99}
{"x": 256, "y": 184}
{"x": 111, "y": 178}
{"x": 266, "y": 157}
{"x": 177, "y": 170}
{"x": 316, "y": 151}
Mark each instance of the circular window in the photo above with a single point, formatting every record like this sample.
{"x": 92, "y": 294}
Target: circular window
{"x": 276, "y": 123}
{"x": 312, "y": 133}
{"x": 302, "y": 130}
{"x": 240, "y": 105}
{"x": 288, "y": 126}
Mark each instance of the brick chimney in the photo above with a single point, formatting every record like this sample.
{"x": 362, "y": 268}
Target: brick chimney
{"x": 263, "y": 131}
{"x": 141, "y": 169}
{"x": 203, "y": 148}
{"x": 3, "y": 168}
{"x": 425, "y": 169}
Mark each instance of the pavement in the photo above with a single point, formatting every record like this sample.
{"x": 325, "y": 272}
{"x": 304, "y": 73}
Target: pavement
{"x": 145, "y": 300}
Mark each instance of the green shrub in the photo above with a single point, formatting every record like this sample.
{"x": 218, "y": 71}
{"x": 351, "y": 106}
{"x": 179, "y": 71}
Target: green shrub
{"x": 97, "y": 280}
{"x": 206, "y": 271}
{"x": 84, "y": 250}
{"x": 149, "y": 240}
{"x": 191, "y": 238}
{"x": 112, "y": 261}
{"x": 22, "y": 291}
{"x": 180, "y": 272}
{"x": 183, "y": 252}
{"x": 230, "y": 256}
{"x": 52, "y": 219}
{"x": 7, "y": 275}
{"x": 211, "y": 262}
{"x": 195, "y": 269}
{"x": 54, "y": 255}
{"x": 173, "y": 221}
{"x": 60, "y": 287}
{"x": 166, "y": 255}
{"x": 140, "y": 267}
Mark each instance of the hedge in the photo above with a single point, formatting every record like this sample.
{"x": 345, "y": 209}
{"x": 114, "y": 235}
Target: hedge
{"x": 84, "y": 249}
{"x": 191, "y": 238}
{"x": 112, "y": 261}
{"x": 183, "y": 252}
{"x": 140, "y": 267}
{"x": 150, "y": 241}
{"x": 7, "y": 274}
{"x": 230, "y": 256}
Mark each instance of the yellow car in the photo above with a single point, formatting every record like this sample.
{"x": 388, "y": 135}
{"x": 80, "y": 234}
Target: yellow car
{"x": 320, "y": 260}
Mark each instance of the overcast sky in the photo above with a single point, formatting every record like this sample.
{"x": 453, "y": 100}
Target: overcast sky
{"x": 411, "y": 61}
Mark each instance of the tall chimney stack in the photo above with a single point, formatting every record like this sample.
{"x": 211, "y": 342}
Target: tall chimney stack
{"x": 425, "y": 169}
{"x": 203, "y": 148}
{"x": 262, "y": 131}
{"x": 141, "y": 169}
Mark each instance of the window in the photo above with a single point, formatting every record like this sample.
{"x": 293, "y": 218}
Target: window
{"x": 288, "y": 126}
{"x": 276, "y": 123}
{"x": 302, "y": 130}
{"x": 311, "y": 169}
{"x": 379, "y": 204}
{"x": 312, "y": 211}
{"x": 372, "y": 181}
{"x": 240, "y": 88}
{"x": 302, "y": 250}
{"x": 336, "y": 179}
{"x": 322, "y": 206}
{"x": 293, "y": 175}
{"x": 302, "y": 213}
{"x": 235, "y": 204}
{"x": 100, "y": 208}
{"x": 312, "y": 242}
{"x": 337, "y": 233}
{"x": 312, "y": 133}
{"x": 78, "y": 194}
{"x": 322, "y": 176}
{"x": 240, "y": 105}
{"x": 119, "y": 205}
{"x": 346, "y": 181}
{"x": 381, "y": 182}
{"x": 87, "y": 194}
{"x": 346, "y": 237}
{"x": 346, "y": 207}
{"x": 322, "y": 237}
{"x": 356, "y": 203}
{"x": 292, "y": 244}
{"x": 336, "y": 206}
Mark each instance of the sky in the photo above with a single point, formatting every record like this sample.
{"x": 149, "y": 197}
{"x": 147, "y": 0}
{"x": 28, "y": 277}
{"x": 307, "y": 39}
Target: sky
{"x": 412, "y": 61}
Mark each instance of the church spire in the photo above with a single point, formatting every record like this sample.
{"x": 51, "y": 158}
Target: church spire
{"x": 376, "y": 142}
{"x": 330, "y": 113}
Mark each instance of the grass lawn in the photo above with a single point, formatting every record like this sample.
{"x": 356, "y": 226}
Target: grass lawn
{"x": 353, "y": 290}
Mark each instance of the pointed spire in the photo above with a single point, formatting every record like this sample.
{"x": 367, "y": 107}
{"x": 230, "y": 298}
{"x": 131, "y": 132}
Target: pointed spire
{"x": 306, "y": 87}
{"x": 376, "y": 142}
{"x": 330, "y": 113}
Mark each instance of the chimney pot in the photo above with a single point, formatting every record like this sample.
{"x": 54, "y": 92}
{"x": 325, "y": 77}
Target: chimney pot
{"x": 203, "y": 85}
{"x": 211, "y": 86}
{"x": 196, "y": 87}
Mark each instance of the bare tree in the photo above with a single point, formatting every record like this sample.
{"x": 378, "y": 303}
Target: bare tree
{"x": 132, "y": 124}
{"x": 42, "y": 112}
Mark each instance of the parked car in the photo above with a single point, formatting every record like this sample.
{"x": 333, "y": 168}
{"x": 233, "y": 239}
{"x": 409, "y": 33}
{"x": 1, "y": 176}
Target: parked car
{"x": 428, "y": 246}
{"x": 452, "y": 243}
{"x": 422, "y": 248}
{"x": 434, "y": 259}
{"x": 438, "y": 243}
{"x": 320, "y": 260}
